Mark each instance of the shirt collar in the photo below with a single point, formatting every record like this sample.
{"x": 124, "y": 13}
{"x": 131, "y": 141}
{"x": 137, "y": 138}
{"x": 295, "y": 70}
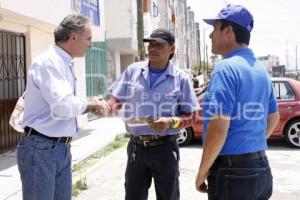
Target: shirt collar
{"x": 170, "y": 71}
{"x": 239, "y": 51}
{"x": 67, "y": 58}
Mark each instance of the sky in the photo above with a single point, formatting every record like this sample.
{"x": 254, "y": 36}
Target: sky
{"x": 276, "y": 26}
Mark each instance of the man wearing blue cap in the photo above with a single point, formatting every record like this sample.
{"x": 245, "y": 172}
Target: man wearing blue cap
{"x": 239, "y": 113}
{"x": 158, "y": 100}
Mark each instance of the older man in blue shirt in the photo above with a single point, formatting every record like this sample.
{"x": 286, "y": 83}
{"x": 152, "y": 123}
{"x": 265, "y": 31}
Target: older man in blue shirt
{"x": 51, "y": 108}
{"x": 158, "y": 100}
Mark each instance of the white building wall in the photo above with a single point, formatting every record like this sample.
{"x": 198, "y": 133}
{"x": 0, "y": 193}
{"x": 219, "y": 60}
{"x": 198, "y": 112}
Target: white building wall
{"x": 126, "y": 60}
{"x": 164, "y": 14}
{"x": 121, "y": 33}
{"x": 121, "y": 19}
{"x": 49, "y": 11}
{"x": 37, "y": 15}
{"x": 133, "y": 20}
{"x": 38, "y": 41}
{"x": 113, "y": 65}
{"x": 151, "y": 22}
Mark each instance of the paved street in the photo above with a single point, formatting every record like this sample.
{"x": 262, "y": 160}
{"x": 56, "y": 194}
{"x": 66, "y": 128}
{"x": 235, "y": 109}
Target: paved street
{"x": 106, "y": 179}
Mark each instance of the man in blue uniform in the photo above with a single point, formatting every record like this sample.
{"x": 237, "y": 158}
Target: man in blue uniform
{"x": 158, "y": 99}
{"x": 239, "y": 111}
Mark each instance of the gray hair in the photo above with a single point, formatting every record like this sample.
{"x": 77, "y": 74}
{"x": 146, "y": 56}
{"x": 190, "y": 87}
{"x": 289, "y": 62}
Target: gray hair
{"x": 71, "y": 23}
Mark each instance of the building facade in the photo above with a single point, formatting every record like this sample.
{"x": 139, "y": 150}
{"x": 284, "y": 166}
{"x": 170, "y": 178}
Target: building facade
{"x": 121, "y": 35}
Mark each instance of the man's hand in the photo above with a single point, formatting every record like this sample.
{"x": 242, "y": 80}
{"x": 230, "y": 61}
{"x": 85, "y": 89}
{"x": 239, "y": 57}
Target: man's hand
{"x": 161, "y": 124}
{"x": 98, "y": 106}
{"x": 102, "y": 108}
{"x": 216, "y": 134}
{"x": 200, "y": 181}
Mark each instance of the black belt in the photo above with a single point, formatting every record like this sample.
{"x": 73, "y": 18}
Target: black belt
{"x": 30, "y": 131}
{"x": 228, "y": 159}
{"x": 153, "y": 140}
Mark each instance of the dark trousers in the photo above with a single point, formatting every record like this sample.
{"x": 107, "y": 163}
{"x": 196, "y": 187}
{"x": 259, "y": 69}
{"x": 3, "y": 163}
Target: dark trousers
{"x": 246, "y": 180}
{"x": 160, "y": 163}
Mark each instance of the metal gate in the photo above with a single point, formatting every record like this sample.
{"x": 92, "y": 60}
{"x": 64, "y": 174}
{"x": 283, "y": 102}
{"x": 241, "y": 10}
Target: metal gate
{"x": 96, "y": 71}
{"x": 12, "y": 83}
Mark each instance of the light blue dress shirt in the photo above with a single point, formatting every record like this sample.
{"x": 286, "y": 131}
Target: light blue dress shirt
{"x": 172, "y": 94}
{"x": 51, "y": 106}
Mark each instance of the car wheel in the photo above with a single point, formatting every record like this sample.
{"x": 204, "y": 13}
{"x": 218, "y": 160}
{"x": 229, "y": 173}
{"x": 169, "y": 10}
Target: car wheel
{"x": 185, "y": 136}
{"x": 292, "y": 133}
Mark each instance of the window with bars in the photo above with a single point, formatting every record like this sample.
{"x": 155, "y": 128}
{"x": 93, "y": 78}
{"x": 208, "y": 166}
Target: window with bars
{"x": 96, "y": 71}
{"x": 12, "y": 83}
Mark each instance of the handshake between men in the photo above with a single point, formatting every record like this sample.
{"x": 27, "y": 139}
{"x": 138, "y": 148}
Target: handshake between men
{"x": 97, "y": 106}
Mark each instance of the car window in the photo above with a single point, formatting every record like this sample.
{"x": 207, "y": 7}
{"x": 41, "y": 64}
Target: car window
{"x": 283, "y": 91}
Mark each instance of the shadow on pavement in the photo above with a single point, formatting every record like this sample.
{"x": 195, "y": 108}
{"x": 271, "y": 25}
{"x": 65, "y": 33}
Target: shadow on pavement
{"x": 273, "y": 145}
{"x": 196, "y": 143}
{"x": 7, "y": 160}
{"x": 279, "y": 145}
{"x": 83, "y": 133}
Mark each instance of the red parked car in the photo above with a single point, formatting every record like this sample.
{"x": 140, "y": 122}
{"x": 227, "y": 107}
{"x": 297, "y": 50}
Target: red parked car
{"x": 288, "y": 99}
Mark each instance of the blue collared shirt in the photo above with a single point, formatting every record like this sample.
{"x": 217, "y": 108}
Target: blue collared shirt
{"x": 172, "y": 94}
{"x": 240, "y": 88}
{"x": 51, "y": 106}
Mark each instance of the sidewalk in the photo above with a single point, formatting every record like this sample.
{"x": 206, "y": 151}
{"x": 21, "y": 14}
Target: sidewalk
{"x": 91, "y": 138}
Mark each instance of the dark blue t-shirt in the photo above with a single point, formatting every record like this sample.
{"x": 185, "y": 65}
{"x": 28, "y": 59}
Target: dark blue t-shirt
{"x": 154, "y": 74}
{"x": 240, "y": 88}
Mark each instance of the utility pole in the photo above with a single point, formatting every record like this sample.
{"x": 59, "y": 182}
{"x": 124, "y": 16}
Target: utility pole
{"x": 204, "y": 63}
{"x": 140, "y": 30}
{"x": 206, "y": 58}
{"x": 200, "y": 61}
{"x": 296, "y": 58}
{"x": 287, "y": 55}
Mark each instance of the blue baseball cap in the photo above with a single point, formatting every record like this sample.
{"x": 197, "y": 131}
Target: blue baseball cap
{"x": 236, "y": 14}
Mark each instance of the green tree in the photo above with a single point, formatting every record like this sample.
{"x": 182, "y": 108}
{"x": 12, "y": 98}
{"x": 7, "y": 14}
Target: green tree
{"x": 200, "y": 68}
